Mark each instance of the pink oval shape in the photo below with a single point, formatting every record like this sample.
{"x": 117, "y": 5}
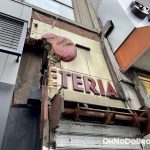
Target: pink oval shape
{"x": 62, "y": 46}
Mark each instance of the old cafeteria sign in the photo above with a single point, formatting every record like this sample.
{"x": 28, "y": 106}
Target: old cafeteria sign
{"x": 87, "y": 84}
{"x": 76, "y": 86}
{"x": 82, "y": 83}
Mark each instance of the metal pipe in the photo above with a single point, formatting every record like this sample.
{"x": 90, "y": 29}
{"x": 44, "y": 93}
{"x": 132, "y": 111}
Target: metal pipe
{"x": 123, "y": 117}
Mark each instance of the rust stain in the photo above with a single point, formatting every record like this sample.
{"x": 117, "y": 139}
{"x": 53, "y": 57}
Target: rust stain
{"x": 44, "y": 108}
{"x": 56, "y": 111}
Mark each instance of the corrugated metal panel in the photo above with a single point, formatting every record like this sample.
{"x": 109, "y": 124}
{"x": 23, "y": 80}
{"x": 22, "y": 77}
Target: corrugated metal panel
{"x": 10, "y": 31}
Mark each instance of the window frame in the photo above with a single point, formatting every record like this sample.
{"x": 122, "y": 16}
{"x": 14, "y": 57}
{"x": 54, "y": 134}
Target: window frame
{"x": 53, "y": 13}
{"x": 64, "y": 3}
{"x": 141, "y": 91}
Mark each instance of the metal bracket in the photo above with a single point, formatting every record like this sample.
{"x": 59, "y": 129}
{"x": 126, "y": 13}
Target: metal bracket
{"x": 17, "y": 60}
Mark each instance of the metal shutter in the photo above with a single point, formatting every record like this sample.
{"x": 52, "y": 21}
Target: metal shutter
{"x": 12, "y": 34}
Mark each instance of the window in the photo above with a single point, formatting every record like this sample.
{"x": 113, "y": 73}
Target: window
{"x": 145, "y": 80}
{"x": 66, "y": 2}
{"x": 60, "y": 7}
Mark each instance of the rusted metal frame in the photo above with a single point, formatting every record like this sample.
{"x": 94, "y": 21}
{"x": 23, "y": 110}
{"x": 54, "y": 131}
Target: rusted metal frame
{"x": 147, "y": 125}
{"x": 56, "y": 111}
{"x": 109, "y": 111}
{"x": 77, "y": 112}
{"x": 83, "y": 112}
{"x": 135, "y": 118}
{"x": 109, "y": 116}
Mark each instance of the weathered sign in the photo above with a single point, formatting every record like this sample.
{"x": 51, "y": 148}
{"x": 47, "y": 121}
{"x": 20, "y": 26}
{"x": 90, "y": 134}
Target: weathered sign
{"x": 84, "y": 83}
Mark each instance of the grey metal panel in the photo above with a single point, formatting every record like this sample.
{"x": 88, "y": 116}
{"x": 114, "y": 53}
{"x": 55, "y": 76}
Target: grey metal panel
{"x": 70, "y": 127}
{"x": 6, "y": 92}
{"x": 78, "y": 135}
{"x": 26, "y": 14}
{"x": 10, "y": 70}
{"x": 80, "y": 142}
{"x": 16, "y": 9}
{"x": 147, "y": 146}
{"x": 112, "y": 10}
{"x": 22, "y": 129}
{"x": 3, "y": 58}
{"x": 22, "y": 39}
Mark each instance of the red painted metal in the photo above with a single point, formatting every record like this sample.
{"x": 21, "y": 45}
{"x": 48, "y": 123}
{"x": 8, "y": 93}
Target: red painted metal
{"x": 101, "y": 87}
{"x": 77, "y": 82}
{"x": 90, "y": 85}
{"x": 107, "y": 115}
{"x": 111, "y": 91}
{"x": 62, "y": 46}
{"x": 64, "y": 78}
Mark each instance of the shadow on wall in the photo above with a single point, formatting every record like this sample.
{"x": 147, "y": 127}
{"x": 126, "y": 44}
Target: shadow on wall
{"x": 22, "y": 129}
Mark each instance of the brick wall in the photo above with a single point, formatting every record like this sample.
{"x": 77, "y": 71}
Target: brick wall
{"x": 65, "y": 25}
